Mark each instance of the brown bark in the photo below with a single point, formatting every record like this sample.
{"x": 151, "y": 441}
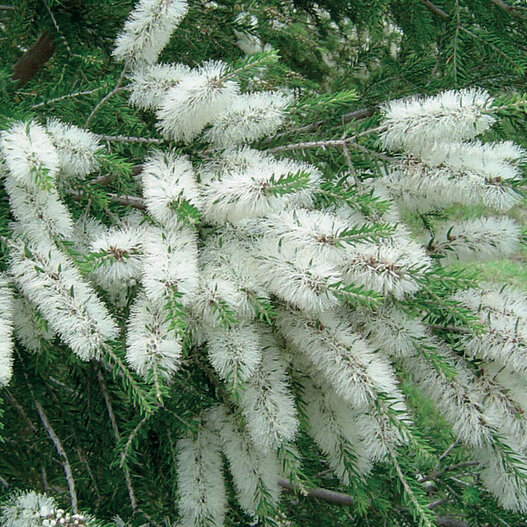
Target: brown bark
{"x": 34, "y": 59}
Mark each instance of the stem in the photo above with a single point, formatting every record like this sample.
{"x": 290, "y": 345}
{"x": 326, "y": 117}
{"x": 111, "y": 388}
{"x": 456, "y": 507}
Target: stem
{"x": 436, "y": 10}
{"x": 319, "y": 493}
{"x": 129, "y": 139}
{"x": 68, "y": 96}
{"x": 105, "y": 98}
{"x": 62, "y": 453}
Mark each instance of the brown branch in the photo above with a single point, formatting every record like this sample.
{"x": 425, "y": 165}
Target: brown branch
{"x": 436, "y": 473}
{"x": 62, "y": 453}
{"x": 338, "y": 498}
{"x": 452, "y": 329}
{"x": 34, "y": 59}
{"x": 436, "y": 10}
{"x": 355, "y": 115}
{"x": 319, "y": 493}
{"x": 125, "y": 199}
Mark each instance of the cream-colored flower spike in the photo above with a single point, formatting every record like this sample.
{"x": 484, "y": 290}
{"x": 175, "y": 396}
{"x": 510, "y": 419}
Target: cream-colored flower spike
{"x": 148, "y": 30}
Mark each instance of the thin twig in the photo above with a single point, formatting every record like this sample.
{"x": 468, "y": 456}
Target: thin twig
{"x": 435, "y": 474}
{"x": 105, "y": 98}
{"x": 346, "y": 141}
{"x": 355, "y": 115}
{"x": 21, "y": 411}
{"x": 60, "y": 449}
{"x": 436, "y": 10}
{"x": 68, "y": 96}
{"x": 132, "y": 201}
{"x": 448, "y": 521}
{"x": 57, "y": 28}
{"x": 117, "y": 435}
{"x": 437, "y": 503}
{"x": 129, "y": 139}
{"x": 453, "y": 329}
{"x": 130, "y": 439}
{"x": 90, "y": 473}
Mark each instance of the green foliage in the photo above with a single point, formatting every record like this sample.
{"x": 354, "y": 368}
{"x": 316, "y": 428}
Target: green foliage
{"x": 339, "y": 57}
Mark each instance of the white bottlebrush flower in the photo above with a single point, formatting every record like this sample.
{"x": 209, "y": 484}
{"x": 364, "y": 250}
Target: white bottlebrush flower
{"x": 149, "y": 84}
{"x": 247, "y": 41}
{"x": 76, "y": 148}
{"x": 234, "y": 352}
{"x": 85, "y": 230}
{"x": 458, "y": 173}
{"x": 340, "y": 356}
{"x": 201, "y": 487}
{"x": 227, "y": 265}
{"x": 505, "y": 337}
{"x": 31, "y": 329}
{"x": 503, "y": 342}
{"x": 266, "y": 400}
{"x": 495, "y": 298}
{"x": 219, "y": 298}
{"x": 118, "y": 256}
{"x": 170, "y": 263}
{"x": 378, "y": 432}
{"x": 152, "y": 347}
{"x": 51, "y": 281}
{"x": 317, "y": 235}
{"x": 6, "y": 331}
{"x": 415, "y": 187}
{"x": 246, "y": 184}
{"x": 416, "y": 124}
{"x": 333, "y": 427}
{"x": 500, "y": 479}
{"x": 388, "y": 267}
{"x": 497, "y": 160}
{"x": 39, "y": 213}
{"x": 512, "y": 381}
{"x": 29, "y": 154}
{"x": 168, "y": 181}
{"x": 195, "y": 101}
{"x": 477, "y": 239}
{"x": 255, "y": 473}
{"x": 251, "y": 116}
{"x": 306, "y": 283}
{"x": 148, "y": 29}
{"x": 390, "y": 330}
{"x": 500, "y": 409}
{"x": 457, "y": 399}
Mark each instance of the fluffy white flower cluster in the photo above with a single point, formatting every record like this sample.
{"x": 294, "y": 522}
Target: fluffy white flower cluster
{"x": 445, "y": 165}
{"x": 188, "y": 100}
{"x": 148, "y": 30}
{"x": 30, "y": 509}
{"x": 6, "y": 332}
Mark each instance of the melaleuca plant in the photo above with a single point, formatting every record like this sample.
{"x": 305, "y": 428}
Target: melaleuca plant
{"x": 242, "y": 303}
